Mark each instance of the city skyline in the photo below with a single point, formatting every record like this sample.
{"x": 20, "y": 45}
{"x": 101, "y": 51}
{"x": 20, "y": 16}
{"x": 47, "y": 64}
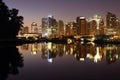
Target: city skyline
{"x": 66, "y": 10}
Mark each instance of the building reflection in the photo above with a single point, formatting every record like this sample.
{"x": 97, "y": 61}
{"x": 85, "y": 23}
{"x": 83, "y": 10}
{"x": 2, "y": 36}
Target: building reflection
{"x": 111, "y": 54}
{"x": 80, "y": 52}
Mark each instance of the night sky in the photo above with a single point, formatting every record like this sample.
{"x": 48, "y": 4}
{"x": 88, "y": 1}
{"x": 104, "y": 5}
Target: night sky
{"x": 66, "y": 10}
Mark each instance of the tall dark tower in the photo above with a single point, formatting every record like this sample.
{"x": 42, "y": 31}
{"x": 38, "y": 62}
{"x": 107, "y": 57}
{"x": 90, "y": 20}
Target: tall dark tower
{"x": 81, "y": 25}
{"x": 111, "y": 20}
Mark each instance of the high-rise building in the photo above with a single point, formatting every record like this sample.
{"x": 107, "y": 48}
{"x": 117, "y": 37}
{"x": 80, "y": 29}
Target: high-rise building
{"x": 81, "y": 25}
{"x": 49, "y": 26}
{"x": 96, "y": 25}
{"x": 34, "y": 28}
{"x": 118, "y": 26}
{"x": 111, "y": 20}
{"x": 44, "y": 26}
{"x": 92, "y": 27}
{"x": 111, "y": 24}
{"x": 61, "y": 28}
{"x": 24, "y": 30}
{"x": 69, "y": 29}
{"x": 75, "y": 28}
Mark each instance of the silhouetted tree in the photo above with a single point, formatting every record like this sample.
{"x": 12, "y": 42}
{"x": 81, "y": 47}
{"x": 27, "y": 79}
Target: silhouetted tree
{"x": 10, "y": 22}
{"x": 16, "y": 21}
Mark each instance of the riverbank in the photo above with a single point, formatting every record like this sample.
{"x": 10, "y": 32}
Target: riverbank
{"x": 18, "y": 41}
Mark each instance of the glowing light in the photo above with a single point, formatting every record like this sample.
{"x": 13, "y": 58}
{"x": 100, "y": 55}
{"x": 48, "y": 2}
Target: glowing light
{"x": 50, "y": 60}
{"x": 46, "y": 34}
{"x": 34, "y": 24}
{"x": 34, "y": 52}
{"x": 75, "y": 55}
{"x": 97, "y": 56}
{"x": 64, "y": 49}
{"x": 50, "y": 16}
{"x": 97, "y": 18}
{"x": 82, "y": 39}
{"x": 89, "y": 56}
{"x": 82, "y": 17}
{"x": 69, "y": 41}
{"x": 49, "y": 45}
{"x": 66, "y": 53}
{"x": 93, "y": 38}
{"x": 82, "y": 42}
{"x": 82, "y": 59}
{"x": 71, "y": 50}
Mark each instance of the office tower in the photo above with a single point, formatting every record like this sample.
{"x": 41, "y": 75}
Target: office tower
{"x": 111, "y": 24}
{"x": 75, "y": 28}
{"x": 25, "y": 30}
{"x": 118, "y": 26}
{"x": 34, "y": 28}
{"x": 61, "y": 28}
{"x": 44, "y": 26}
{"x": 69, "y": 29}
{"x": 49, "y": 26}
{"x": 96, "y": 25}
{"x": 81, "y": 25}
{"x": 110, "y": 20}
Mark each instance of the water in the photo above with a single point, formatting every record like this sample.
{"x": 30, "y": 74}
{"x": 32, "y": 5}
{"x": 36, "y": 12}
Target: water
{"x": 50, "y": 61}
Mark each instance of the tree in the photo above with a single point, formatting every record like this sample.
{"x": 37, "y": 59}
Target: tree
{"x": 16, "y": 21}
{"x": 10, "y": 22}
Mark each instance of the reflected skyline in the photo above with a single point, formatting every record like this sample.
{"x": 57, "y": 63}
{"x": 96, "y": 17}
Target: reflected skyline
{"x": 51, "y": 51}
{"x": 64, "y": 59}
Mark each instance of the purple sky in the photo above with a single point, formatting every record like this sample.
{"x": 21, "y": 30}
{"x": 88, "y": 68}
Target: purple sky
{"x": 66, "y": 10}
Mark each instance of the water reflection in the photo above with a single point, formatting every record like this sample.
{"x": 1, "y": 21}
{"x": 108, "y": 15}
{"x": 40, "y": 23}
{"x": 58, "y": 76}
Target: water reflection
{"x": 80, "y": 52}
{"x": 10, "y": 61}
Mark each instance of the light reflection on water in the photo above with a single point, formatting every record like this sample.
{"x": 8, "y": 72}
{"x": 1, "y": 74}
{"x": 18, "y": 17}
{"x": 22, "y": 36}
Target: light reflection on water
{"x": 80, "y": 52}
{"x": 51, "y": 61}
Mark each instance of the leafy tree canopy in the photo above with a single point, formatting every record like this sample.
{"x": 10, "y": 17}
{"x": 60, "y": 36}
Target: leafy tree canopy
{"x": 10, "y": 22}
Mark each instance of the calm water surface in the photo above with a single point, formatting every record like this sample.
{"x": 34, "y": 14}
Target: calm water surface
{"x": 50, "y": 61}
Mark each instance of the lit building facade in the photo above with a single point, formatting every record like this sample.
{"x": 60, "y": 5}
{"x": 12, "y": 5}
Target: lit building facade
{"x": 118, "y": 26}
{"x": 111, "y": 24}
{"x": 44, "y": 27}
{"x": 49, "y": 26}
{"x": 111, "y": 20}
{"x": 81, "y": 25}
{"x": 61, "y": 28}
{"x": 95, "y": 25}
{"x": 75, "y": 28}
{"x": 69, "y": 29}
{"x": 34, "y": 28}
{"x": 24, "y": 30}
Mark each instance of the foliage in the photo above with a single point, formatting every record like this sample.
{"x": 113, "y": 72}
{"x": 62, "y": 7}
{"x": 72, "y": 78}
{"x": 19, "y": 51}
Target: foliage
{"x": 10, "y": 22}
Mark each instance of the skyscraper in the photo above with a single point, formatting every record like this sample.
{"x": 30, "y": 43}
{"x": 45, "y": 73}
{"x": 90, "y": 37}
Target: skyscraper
{"x": 34, "y": 28}
{"x": 69, "y": 29}
{"x": 75, "y": 28}
{"x": 49, "y": 26}
{"x": 111, "y": 24}
{"x": 96, "y": 25}
{"x": 81, "y": 23}
{"x": 111, "y": 20}
{"x": 44, "y": 27}
{"x": 60, "y": 28}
